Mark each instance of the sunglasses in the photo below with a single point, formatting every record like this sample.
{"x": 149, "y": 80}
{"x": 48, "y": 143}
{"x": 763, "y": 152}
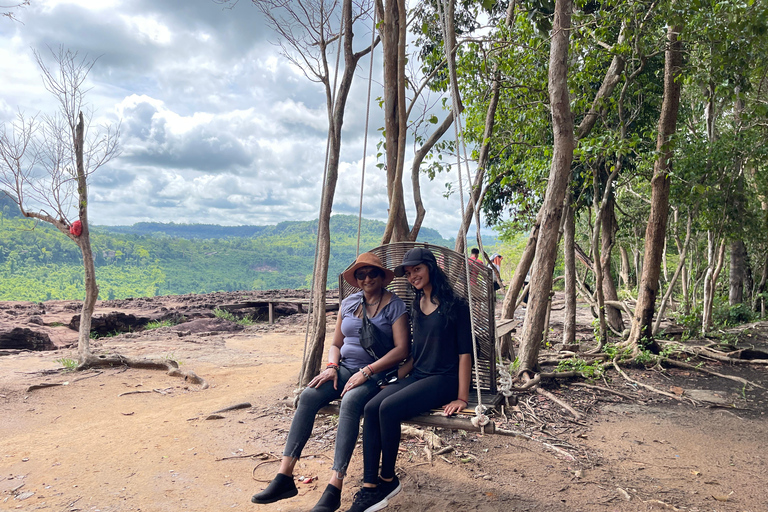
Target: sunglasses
{"x": 373, "y": 273}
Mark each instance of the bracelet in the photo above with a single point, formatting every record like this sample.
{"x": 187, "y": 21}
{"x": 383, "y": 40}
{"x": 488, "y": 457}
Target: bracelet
{"x": 362, "y": 370}
{"x": 462, "y": 400}
{"x": 370, "y": 369}
{"x": 332, "y": 365}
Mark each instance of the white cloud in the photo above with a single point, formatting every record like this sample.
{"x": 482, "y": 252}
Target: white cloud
{"x": 217, "y": 126}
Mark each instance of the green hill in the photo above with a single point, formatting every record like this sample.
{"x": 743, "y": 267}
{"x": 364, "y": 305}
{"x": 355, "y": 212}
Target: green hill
{"x": 38, "y": 263}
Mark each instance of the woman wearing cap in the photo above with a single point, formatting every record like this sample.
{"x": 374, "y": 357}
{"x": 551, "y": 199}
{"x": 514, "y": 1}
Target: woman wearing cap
{"x": 440, "y": 366}
{"x": 351, "y": 374}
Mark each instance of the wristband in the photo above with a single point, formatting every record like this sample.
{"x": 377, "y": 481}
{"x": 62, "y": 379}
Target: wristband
{"x": 462, "y": 400}
{"x": 334, "y": 366}
{"x": 370, "y": 369}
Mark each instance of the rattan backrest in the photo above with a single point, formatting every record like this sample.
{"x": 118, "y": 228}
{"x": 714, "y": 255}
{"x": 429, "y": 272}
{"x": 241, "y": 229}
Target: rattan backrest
{"x": 483, "y": 297}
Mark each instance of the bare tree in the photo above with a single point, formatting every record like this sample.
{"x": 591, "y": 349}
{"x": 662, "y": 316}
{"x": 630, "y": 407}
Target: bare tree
{"x": 8, "y": 10}
{"x": 46, "y": 164}
{"x": 309, "y": 31}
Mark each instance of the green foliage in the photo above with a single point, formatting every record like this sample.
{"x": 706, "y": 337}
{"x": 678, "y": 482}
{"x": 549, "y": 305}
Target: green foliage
{"x": 224, "y": 314}
{"x": 69, "y": 365}
{"x": 228, "y": 315}
{"x": 589, "y": 371}
{"x": 37, "y": 263}
{"x": 728, "y": 316}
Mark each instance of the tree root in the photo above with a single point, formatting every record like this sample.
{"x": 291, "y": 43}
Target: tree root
{"x": 172, "y": 367}
{"x": 691, "y": 367}
{"x": 646, "y": 386}
{"x": 714, "y": 354}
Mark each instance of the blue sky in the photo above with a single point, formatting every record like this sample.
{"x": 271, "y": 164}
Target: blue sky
{"x": 216, "y": 125}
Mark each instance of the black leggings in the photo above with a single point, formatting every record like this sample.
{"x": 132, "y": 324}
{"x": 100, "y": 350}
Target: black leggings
{"x": 395, "y": 404}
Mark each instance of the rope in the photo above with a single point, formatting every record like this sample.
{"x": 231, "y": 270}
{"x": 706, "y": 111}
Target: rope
{"x": 480, "y": 419}
{"x": 365, "y": 136}
{"x": 310, "y": 309}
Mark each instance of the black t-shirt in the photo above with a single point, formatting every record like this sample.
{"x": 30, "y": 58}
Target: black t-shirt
{"x": 439, "y": 338}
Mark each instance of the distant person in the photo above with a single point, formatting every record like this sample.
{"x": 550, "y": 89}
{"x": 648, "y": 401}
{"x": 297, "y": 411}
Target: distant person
{"x": 440, "y": 366}
{"x": 475, "y": 261}
{"x": 351, "y": 373}
{"x": 496, "y": 264}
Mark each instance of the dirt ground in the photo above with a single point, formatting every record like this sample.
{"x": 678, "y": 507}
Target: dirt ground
{"x": 139, "y": 440}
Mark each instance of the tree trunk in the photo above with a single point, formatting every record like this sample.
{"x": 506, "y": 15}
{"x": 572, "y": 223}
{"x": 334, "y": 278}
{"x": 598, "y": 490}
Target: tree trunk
{"x": 521, "y": 272}
{"x": 680, "y": 267}
{"x": 715, "y": 259}
{"x": 625, "y": 269}
{"x": 482, "y": 163}
{"x": 737, "y": 272}
{"x": 84, "y": 242}
{"x": 569, "y": 232}
{"x": 314, "y": 356}
{"x": 655, "y": 234}
{"x": 392, "y": 29}
{"x": 610, "y": 227}
{"x": 552, "y": 208}
{"x": 418, "y": 158}
{"x": 598, "y": 261}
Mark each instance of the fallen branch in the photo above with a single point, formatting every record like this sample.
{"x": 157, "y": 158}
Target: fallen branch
{"x": 172, "y": 367}
{"x": 134, "y": 392}
{"x": 244, "y": 405}
{"x": 646, "y": 386}
{"x": 46, "y": 385}
{"x": 600, "y": 388}
{"x": 576, "y": 414}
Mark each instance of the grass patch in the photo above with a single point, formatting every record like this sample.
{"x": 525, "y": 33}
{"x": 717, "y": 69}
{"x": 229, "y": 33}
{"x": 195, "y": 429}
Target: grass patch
{"x": 69, "y": 365}
{"x": 158, "y": 324}
{"x": 228, "y": 315}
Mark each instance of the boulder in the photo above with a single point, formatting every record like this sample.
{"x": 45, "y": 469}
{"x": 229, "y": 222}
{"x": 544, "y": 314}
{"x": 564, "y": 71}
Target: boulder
{"x": 22, "y": 338}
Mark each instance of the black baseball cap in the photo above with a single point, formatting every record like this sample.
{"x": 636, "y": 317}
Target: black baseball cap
{"x": 414, "y": 257}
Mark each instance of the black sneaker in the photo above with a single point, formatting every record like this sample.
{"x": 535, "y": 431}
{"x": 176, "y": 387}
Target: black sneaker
{"x": 330, "y": 501}
{"x": 368, "y": 499}
{"x": 280, "y": 488}
{"x": 389, "y": 489}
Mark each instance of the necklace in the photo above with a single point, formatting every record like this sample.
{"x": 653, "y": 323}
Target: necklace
{"x": 366, "y": 304}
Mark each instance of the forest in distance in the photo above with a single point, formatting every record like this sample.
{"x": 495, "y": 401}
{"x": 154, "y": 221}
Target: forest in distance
{"x": 150, "y": 259}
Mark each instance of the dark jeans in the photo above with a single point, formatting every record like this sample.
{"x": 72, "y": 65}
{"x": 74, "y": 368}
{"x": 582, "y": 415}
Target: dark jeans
{"x": 397, "y": 403}
{"x": 350, "y": 410}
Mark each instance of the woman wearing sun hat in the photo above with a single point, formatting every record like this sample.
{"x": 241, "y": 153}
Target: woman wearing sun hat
{"x": 351, "y": 373}
{"x": 440, "y": 366}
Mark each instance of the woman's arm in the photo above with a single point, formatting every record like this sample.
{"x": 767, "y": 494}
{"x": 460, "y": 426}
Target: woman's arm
{"x": 390, "y": 359}
{"x": 400, "y": 352}
{"x": 334, "y": 356}
{"x": 465, "y": 375}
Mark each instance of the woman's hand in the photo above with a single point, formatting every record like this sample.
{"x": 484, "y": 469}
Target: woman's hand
{"x": 454, "y": 407}
{"x": 325, "y": 376}
{"x": 357, "y": 379}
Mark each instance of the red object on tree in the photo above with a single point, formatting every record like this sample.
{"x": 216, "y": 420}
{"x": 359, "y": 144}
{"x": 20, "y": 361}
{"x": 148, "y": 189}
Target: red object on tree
{"x": 76, "y": 228}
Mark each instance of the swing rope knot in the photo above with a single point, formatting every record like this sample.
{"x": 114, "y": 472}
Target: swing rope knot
{"x": 505, "y": 381}
{"x": 480, "y": 419}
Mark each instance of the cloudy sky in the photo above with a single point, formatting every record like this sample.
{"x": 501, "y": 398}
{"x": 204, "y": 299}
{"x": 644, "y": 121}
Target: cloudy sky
{"x": 216, "y": 125}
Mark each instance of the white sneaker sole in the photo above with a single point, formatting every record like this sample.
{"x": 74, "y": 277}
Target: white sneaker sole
{"x": 383, "y": 503}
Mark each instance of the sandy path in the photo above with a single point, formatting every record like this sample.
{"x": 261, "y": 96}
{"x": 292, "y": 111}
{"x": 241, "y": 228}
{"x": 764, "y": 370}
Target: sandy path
{"x": 84, "y": 447}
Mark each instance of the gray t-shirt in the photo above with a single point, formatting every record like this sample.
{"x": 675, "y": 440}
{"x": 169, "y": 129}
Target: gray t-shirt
{"x": 354, "y": 356}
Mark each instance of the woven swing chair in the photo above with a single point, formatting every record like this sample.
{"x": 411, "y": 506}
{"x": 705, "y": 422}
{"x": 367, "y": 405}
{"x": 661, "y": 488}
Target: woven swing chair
{"x": 483, "y": 301}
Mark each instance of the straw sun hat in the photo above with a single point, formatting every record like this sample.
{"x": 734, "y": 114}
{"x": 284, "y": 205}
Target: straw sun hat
{"x": 367, "y": 259}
